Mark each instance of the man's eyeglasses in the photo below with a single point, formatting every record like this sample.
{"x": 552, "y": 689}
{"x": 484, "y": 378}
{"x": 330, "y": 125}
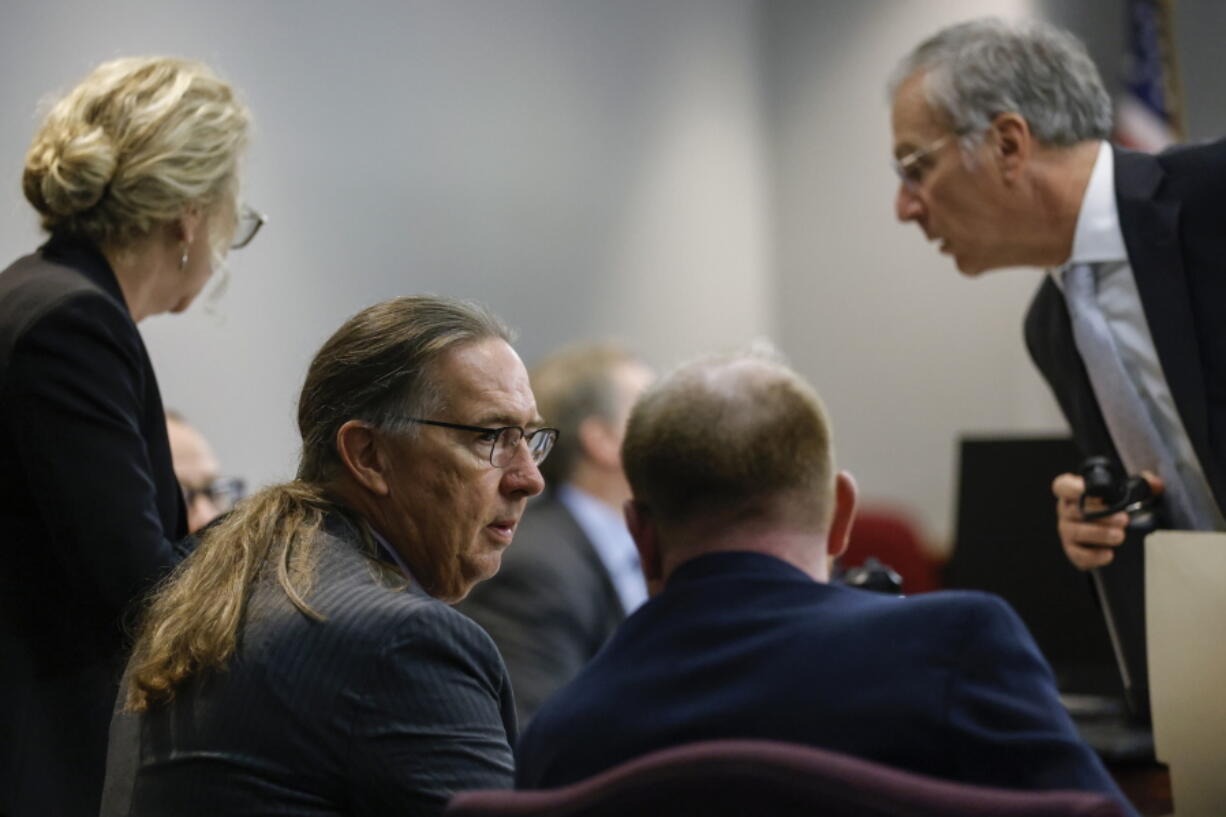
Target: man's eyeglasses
{"x": 504, "y": 441}
{"x": 912, "y": 167}
{"x": 248, "y": 224}
{"x": 222, "y": 492}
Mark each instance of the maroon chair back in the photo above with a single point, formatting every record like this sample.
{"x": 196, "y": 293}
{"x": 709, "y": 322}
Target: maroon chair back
{"x": 728, "y": 778}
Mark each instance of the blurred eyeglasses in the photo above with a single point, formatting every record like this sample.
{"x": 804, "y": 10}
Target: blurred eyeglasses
{"x": 912, "y": 167}
{"x": 504, "y": 441}
{"x": 222, "y": 492}
{"x": 249, "y": 223}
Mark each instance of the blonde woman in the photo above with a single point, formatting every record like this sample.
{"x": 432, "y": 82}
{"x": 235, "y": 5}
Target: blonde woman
{"x": 134, "y": 175}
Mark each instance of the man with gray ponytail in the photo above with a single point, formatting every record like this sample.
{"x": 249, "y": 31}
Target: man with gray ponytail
{"x": 1000, "y": 147}
{"x": 305, "y": 659}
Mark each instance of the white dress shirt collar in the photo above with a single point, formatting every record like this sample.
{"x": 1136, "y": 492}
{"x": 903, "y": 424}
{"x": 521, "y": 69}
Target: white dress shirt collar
{"x": 1098, "y": 238}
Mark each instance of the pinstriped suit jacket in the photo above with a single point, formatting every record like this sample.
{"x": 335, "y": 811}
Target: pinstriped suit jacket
{"x": 390, "y": 705}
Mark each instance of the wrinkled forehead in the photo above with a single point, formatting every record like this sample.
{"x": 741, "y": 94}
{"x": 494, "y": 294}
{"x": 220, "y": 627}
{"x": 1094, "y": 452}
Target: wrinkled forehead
{"x": 485, "y": 383}
{"x": 915, "y": 121}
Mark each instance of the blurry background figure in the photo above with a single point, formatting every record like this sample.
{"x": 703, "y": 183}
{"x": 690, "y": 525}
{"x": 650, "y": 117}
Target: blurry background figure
{"x": 206, "y": 492}
{"x": 573, "y": 573}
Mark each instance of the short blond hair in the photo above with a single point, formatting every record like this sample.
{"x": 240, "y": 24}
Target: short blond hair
{"x": 131, "y": 146}
{"x": 740, "y": 435}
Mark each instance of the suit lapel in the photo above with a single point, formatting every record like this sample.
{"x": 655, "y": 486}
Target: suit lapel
{"x": 1151, "y": 234}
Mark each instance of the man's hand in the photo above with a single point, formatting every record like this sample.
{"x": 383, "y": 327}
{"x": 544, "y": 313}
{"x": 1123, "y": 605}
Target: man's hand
{"x": 1089, "y": 544}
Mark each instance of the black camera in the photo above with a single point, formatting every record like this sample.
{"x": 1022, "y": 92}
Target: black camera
{"x": 873, "y": 575}
{"x": 1107, "y": 482}
{"x": 1120, "y": 586}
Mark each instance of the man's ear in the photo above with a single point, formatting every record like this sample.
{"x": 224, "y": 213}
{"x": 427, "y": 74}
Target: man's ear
{"x": 843, "y": 516}
{"x": 646, "y": 537}
{"x": 358, "y": 447}
{"x": 1012, "y": 143}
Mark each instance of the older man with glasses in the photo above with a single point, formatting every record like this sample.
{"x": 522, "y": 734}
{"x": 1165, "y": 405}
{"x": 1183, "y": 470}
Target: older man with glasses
{"x": 1000, "y": 142}
{"x": 573, "y": 574}
{"x": 306, "y": 659}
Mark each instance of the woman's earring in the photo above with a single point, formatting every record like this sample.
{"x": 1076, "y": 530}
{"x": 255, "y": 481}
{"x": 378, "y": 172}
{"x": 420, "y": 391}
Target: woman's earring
{"x": 183, "y": 259}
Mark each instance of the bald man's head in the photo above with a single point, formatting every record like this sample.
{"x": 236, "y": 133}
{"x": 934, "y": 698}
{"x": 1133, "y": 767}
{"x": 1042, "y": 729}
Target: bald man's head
{"x": 741, "y": 437}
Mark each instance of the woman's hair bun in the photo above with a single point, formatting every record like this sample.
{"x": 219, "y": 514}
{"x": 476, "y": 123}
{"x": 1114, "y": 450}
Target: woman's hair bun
{"x": 131, "y": 146}
{"x": 68, "y": 170}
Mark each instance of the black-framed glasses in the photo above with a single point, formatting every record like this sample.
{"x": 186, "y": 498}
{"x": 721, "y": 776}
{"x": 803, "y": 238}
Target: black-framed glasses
{"x": 222, "y": 492}
{"x": 247, "y": 225}
{"x": 504, "y": 441}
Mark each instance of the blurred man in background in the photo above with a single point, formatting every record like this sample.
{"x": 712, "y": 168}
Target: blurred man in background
{"x": 205, "y": 491}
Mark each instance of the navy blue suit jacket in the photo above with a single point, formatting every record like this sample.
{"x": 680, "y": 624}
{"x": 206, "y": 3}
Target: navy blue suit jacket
{"x": 743, "y": 645}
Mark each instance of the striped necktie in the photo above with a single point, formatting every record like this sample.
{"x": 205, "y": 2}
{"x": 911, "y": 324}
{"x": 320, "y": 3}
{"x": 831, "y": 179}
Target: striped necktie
{"x": 1136, "y": 438}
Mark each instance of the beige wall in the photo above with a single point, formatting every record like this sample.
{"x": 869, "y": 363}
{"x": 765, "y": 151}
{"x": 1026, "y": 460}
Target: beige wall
{"x": 586, "y": 168}
{"x": 682, "y": 174}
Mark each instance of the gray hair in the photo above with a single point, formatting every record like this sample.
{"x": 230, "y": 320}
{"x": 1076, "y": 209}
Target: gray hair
{"x": 379, "y": 367}
{"x": 977, "y": 70}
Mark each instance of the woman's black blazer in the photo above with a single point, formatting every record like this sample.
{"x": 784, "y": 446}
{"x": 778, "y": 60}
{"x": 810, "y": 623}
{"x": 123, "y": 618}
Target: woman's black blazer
{"x": 89, "y": 513}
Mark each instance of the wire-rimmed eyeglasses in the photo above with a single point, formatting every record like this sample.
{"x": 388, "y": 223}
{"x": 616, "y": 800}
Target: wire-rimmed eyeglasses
{"x": 911, "y": 168}
{"x": 247, "y": 224}
{"x": 504, "y": 441}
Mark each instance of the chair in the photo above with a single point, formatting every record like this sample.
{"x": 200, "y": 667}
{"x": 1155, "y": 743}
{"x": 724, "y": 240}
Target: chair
{"x": 723, "y": 778}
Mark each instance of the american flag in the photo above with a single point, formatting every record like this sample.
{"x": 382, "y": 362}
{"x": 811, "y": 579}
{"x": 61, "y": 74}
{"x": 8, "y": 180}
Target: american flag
{"x": 1149, "y": 111}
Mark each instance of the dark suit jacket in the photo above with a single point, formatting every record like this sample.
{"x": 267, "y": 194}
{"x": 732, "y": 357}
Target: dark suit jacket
{"x": 88, "y": 508}
{"x": 551, "y": 606}
{"x": 1172, "y": 210}
{"x": 389, "y": 706}
{"x": 743, "y": 645}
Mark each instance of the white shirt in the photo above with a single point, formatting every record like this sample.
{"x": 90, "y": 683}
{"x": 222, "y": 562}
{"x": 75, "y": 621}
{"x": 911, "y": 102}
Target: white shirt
{"x": 605, "y": 528}
{"x": 1099, "y": 242}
